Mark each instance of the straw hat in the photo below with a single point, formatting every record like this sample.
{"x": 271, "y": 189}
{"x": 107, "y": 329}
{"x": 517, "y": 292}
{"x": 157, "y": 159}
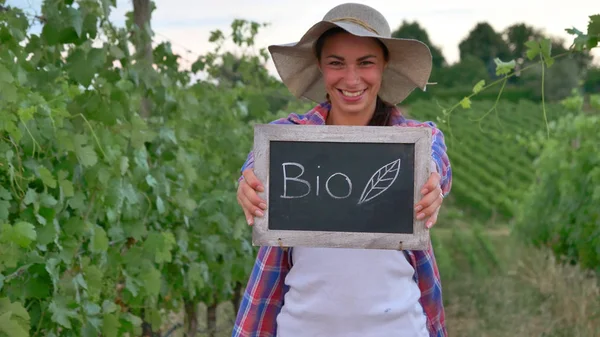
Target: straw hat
{"x": 408, "y": 68}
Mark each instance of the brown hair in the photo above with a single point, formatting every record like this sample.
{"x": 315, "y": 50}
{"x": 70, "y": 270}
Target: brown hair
{"x": 383, "y": 110}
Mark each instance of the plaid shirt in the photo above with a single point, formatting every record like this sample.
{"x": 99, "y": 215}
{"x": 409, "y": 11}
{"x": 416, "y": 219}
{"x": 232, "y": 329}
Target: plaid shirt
{"x": 264, "y": 294}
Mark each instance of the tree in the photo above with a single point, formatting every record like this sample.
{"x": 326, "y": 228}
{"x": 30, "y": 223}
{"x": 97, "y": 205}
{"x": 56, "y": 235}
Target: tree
{"x": 412, "y": 30}
{"x": 486, "y": 44}
{"x": 464, "y": 73}
{"x": 516, "y": 36}
{"x": 142, "y": 13}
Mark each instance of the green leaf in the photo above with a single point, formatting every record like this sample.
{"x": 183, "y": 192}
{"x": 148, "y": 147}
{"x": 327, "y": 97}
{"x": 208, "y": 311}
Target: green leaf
{"x": 84, "y": 65}
{"x": 110, "y": 325}
{"x": 198, "y": 65}
{"x": 26, "y": 114}
{"x": 504, "y": 68}
{"x": 76, "y": 21}
{"x": 93, "y": 277}
{"x": 23, "y": 233}
{"x": 75, "y": 226}
{"x": 86, "y": 155}
{"x": 8, "y": 92}
{"x": 197, "y": 276}
{"x": 116, "y": 52}
{"x": 47, "y": 177}
{"x": 14, "y": 319}
{"x": 99, "y": 241}
{"x": 5, "y": 194}
{"x": 77, "y": 201}
{"x": 546, "y": 50}
{"x": 61, "y": 314}
{"x": 46, "y": 234}
{"x": 66, "y": 187}
{"x": 533, "y": 49}
{"x": 9, "y": 253}
{"x": 592, "y": 42}
{"x": 477, "y": 88}
{"x": 160, "y": 206}
{"x": 465, "y": 103}
{"x": 47, "y": 200}
{"x": 5, "y": 198}
{"x": 581, "y": 40}
{"x": 109, "y": 307}
{"x": 124, "y": 165}
{"x": 51, "y": 32}
{"x": 594, "y": 25}
{"x": 31, "y": 196}
{"x": 152, "y": 281}
{"x": 92, "y": 309}
{"x": 4, "y": 209}
{"x": 159, "y": 246}
{"x": 5, "y": 75}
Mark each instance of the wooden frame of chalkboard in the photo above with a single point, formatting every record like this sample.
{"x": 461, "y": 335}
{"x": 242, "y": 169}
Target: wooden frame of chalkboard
{"x": 275, "y": 144}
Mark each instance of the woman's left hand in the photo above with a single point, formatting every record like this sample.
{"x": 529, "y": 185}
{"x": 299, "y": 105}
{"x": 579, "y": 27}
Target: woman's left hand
{"x": 429, "y": 206}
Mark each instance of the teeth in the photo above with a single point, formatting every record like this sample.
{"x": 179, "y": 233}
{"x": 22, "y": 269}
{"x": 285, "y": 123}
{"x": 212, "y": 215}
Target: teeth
{"x": 352, "y": 94}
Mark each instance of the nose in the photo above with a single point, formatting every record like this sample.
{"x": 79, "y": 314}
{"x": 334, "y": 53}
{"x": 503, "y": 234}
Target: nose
{"x": 352, "y": 76}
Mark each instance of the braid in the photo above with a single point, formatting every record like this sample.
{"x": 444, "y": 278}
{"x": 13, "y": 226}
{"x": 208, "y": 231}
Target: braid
{"x": 382, "y": 114}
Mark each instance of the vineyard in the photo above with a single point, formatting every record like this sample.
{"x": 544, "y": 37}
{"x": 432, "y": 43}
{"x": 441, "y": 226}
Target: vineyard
{"x": 491, "y": 159}
{"x": 118, "y": 175}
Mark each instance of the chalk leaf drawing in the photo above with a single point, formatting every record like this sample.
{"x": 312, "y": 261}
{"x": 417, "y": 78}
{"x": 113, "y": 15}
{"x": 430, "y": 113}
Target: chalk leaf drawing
{"x": 380, "y": 181}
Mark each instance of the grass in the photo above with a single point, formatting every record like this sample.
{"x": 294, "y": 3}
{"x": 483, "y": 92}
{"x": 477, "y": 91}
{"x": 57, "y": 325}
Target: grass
{"x": 528, "y": 293}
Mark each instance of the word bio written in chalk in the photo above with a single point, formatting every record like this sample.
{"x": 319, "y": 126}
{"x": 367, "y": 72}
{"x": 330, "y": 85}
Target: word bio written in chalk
{"x": 378, "y": 183}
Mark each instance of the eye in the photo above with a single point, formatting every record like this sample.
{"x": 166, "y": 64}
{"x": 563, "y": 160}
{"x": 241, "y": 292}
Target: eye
{"x": 335, "y": 63}
{"x": 366, "y": 63}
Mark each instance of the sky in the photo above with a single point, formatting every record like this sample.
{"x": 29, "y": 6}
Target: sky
{"x": 188, "y": 23}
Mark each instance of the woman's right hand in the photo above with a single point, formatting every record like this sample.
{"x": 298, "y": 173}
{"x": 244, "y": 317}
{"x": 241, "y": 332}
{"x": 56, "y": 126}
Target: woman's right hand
{"x": 248, "y": 198}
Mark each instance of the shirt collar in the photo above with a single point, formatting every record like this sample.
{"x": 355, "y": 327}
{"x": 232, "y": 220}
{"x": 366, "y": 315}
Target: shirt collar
{"x": 318, "y": 115}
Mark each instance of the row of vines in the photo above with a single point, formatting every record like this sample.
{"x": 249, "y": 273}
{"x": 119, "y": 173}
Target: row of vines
{"x": 117, "y": 180}
{"x": 491, "y": 167}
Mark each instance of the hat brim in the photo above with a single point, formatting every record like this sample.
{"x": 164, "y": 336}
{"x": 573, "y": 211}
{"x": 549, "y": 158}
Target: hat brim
{"x": 409, "y": 66}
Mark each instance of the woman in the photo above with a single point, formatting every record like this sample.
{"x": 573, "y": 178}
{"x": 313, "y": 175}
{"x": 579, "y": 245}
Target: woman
{"x": 350, "y": 64}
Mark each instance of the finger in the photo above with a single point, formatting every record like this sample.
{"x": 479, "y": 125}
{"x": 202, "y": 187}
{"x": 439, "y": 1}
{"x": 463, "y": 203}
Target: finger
{"x": 249, "y": 217}
{"x": 433, "y": 219}
{"x": 429, "y": 210}
{"x": 428, "y": 199}
{"x": 432, "y": 183}
{"x": 252, "y": 180}
{"x": 253, "y": 197}
{"x": 250, "y": 207}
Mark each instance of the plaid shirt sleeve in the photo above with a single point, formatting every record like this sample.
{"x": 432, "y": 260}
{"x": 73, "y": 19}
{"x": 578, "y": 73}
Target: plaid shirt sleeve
{"x": 427, "y": 273}
{"x": 263, "y": 297}
{"x": 438, "y": 153}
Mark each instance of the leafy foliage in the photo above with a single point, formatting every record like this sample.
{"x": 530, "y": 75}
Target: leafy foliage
{"x": 560, "y": 208}
{"x": 106, "y": 217}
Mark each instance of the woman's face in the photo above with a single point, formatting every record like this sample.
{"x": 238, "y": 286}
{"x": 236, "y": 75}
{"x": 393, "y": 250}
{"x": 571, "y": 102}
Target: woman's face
{"x": 352, "y": 69}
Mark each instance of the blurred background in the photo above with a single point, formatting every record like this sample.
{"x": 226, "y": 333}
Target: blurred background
{"x": 124, "y": 125}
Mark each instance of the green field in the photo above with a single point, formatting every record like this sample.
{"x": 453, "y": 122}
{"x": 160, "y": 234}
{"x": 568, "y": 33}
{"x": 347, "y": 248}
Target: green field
{"x": 491, "y": 166}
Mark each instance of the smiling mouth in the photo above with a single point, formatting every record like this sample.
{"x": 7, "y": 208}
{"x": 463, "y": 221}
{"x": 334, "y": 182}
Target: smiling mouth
{"x": 352, "y": 93}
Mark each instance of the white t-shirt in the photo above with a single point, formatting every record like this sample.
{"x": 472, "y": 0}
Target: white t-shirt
{"x": 337, "y": 292}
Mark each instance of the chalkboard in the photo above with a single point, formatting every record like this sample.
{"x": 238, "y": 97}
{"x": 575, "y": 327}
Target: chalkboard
{"x": 341, "y": 186}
